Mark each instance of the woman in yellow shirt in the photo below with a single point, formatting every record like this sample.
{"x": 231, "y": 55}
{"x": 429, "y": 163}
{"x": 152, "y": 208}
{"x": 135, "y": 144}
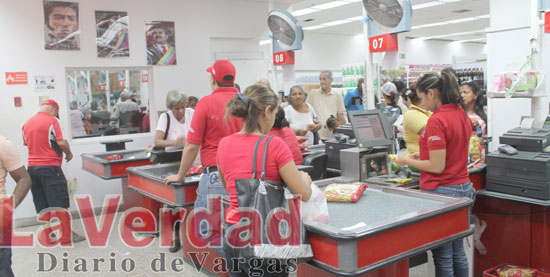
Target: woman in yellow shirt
{"x": 414, "y": 120}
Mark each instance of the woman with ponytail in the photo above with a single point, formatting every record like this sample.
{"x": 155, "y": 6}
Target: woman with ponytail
{"x": 474, "y": 102}
{"x": 257, "y": 106}
{"x": 414, "y": 120}
{"x": 443, "y": 157}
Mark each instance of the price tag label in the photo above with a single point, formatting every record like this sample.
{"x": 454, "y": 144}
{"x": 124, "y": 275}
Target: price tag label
{"x": 383, "y": 43}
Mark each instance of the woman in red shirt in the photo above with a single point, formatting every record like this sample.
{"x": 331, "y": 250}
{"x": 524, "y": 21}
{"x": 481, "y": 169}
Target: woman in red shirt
{"x": 443, "y": 157}
{"x": 257, "y": 107}
{"x": 281, "y": 129}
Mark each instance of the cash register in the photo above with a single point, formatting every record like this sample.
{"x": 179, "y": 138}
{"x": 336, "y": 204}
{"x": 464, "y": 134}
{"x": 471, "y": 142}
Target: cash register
{"x": 374, "y": 138}
{"x": 526, "y": 172}
{"x": 359, "y": 132}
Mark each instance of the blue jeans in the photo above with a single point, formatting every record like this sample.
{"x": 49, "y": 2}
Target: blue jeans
{"x": 5, "y": 262}
{"x": 450, "y": 258}
{"x": 209, "y": 185}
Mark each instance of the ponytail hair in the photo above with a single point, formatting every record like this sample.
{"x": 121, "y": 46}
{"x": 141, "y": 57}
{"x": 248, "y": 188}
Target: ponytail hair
{"x": 480, "y": 99}
{"x": 445, "y": 83}
{"x": 250, "y": 105}
{"x": 280, "y": 120}
{"x": 411, "y": 94}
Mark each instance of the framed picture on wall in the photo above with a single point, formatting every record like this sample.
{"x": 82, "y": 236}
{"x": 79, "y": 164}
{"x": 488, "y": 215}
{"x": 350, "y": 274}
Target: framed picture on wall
{"x": 161, "y": 43}
{"x": 61, "y": 28}
{"x": 112, "y": 34}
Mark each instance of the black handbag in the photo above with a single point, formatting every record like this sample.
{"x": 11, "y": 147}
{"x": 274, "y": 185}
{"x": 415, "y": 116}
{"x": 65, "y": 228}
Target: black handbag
{"x": 268, "y": 198}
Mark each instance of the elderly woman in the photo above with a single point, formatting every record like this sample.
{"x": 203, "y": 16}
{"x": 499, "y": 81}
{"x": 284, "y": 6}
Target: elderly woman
{"x": 300, "y": 115}
{"x": 175, "y": 122}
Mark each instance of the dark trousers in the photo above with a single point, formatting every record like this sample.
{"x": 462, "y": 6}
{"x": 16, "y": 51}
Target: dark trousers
{"x": 49, "y": 187}
{"x": 5, "y": 262}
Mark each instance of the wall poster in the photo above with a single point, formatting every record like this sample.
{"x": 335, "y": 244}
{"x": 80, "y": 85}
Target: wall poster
{"x": 61, "y": 29}
{"x": 161, "y": 43}
{"x": 112, "y": 34}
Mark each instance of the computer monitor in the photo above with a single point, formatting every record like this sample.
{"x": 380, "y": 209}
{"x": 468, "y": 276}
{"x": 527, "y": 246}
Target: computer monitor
{"x": 371, "y": 128}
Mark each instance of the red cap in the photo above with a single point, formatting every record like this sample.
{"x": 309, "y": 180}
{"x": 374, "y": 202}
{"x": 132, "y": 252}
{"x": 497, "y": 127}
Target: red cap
{"x": 223, "y": 71}
{"x": 50, "y": 102}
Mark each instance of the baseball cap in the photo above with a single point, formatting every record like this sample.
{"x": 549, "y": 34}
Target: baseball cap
{"x": 50, "y": 102}
{"x": 389, "y": 89}
{"x": 223, "y": 71}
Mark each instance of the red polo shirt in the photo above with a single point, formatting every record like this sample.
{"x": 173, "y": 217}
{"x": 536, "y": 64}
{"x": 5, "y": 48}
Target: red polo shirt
{"x": 40, "y": 134}
{"x": 449, "y": 128}
{"x": 208, "y": 126}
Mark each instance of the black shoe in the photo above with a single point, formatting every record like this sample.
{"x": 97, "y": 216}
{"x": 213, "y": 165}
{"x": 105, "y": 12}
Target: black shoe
{"x": 175, "y": 247}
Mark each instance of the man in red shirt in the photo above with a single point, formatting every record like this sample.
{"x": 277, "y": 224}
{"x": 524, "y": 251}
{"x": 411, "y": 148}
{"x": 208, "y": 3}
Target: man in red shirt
{"x": 42, "y": 135}
{"x": 207, "y": 129}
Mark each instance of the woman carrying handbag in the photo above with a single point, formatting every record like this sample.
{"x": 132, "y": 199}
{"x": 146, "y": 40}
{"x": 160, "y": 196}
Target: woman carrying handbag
{"x": 258, "y": 107}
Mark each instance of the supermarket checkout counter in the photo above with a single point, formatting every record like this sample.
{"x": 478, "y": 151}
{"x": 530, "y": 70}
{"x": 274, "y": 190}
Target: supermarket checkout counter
{"x": 372, "y": 242}
{"x": 112, "y": 164}
{"x": 513, "y": 212}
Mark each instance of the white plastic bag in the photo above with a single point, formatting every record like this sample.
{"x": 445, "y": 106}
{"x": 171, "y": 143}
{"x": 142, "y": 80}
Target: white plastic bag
{"x": 316, "y": 209}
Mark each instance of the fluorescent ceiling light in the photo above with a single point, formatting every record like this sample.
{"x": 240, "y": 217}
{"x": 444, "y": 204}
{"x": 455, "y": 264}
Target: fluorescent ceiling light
{"x": 314, "y": 27}
{"x": 465, "y": 19}
{"x": 304, "y": 11}
{"x": 355, "y": 18}
{"x": 459, "y": 34}
{"x": 468, "y": 40}
{"x": 427, "y": 5}
{"x": 430, "y": 25}
{"x": 459, "y": 20}
{"x": 330, "y": 5}
{"x": 337, "y": 22}
{"x": 265, "y": 41}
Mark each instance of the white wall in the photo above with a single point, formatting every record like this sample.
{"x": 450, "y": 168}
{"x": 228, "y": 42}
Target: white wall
{"x": 196, "y": 22}
{"x": 439, "y": 52}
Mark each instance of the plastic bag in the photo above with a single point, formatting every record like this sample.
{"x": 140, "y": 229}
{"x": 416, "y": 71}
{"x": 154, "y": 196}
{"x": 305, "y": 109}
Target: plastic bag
{"x": 316, "y": 209}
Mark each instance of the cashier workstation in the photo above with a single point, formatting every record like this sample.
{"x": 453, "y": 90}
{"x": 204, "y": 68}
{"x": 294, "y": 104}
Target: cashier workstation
{"x": 521, "y": 164}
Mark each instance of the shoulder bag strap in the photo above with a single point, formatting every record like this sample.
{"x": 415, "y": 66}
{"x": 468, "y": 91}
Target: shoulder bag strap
{"x": 167, "y": 125}
{"x": 254, "y": 156}
{"x": 265, "y": 156}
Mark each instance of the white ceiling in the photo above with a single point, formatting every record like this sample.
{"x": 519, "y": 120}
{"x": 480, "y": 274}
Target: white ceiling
{"x": 444, "y": 12}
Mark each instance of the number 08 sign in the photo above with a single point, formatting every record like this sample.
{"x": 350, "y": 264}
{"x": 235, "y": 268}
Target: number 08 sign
{"x": 383, "y": 43}
{"x": 285, "y": 57}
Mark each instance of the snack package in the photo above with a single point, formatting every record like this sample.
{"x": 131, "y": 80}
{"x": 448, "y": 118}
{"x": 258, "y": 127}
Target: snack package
{"x": 344, "y": 192}
{"x": 474, "y": 150}
{"x": 115, "y": 157}
{"x": 517, "y": 272}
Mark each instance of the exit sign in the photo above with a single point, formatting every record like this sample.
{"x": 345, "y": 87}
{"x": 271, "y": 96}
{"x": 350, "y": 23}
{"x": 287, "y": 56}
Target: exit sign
{"x": 285, "y": 57}
{"x": 383, "y": 43}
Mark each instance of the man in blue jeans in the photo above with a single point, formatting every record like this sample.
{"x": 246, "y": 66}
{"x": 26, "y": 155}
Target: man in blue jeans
{"x": 208, "y": 127}
{"x": 11, "y": 163}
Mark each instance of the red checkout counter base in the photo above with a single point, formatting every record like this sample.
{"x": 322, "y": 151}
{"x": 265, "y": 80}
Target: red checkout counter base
{"x": 96, "y": 164}
{"x": 517, "y": 232}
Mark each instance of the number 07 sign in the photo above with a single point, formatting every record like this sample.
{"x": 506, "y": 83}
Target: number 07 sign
{"x": 383, "y": 43}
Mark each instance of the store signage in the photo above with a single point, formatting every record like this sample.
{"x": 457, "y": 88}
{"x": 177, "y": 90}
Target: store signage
{"x": 547, "y": 22}
{"x": 285, "y": 57}
{"x": 383, "y": 43}
{"x": 16, "y": 78}
{"x": 145, "y": 78}
{"x": 121, "y": 83}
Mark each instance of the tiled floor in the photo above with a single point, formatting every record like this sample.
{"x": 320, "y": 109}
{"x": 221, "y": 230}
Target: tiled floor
{"x": 26, "y": 261}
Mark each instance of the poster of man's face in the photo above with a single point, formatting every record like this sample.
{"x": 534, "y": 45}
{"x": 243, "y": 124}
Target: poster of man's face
{"x": 61, "y": 25}
{"x": 112, "y": 34}
{"x": 161, "y": 46}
